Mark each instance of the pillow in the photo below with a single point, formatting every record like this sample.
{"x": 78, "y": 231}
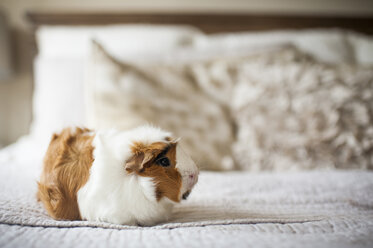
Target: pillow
{"x": 58, "y": 98}
{"x": 58, "y": 95}
{"x": 294, "y": 113}
{"x": 178, "y": 97}
{"x": 326, "y": 45}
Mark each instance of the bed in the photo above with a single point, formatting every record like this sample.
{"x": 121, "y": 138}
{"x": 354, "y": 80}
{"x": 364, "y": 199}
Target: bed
{"x": 287, "y": 202}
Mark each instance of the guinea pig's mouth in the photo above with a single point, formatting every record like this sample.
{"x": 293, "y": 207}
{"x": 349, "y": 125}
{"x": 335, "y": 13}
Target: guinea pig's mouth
{"x": 185, "y": 195}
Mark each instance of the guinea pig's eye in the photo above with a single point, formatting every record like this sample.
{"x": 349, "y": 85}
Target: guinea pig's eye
{"x": 163, "y": 162}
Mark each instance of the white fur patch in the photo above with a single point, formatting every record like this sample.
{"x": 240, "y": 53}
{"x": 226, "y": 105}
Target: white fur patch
{"x": 111, "y": 194}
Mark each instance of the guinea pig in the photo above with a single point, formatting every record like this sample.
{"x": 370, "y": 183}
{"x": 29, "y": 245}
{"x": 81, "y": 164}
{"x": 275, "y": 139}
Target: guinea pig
{"x": 129, "y": 177}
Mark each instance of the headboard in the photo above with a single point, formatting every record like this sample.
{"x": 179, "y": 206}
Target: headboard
{"x": 208, "y": 22}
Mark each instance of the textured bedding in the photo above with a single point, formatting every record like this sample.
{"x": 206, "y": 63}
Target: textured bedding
{"x": 312, "y": 209}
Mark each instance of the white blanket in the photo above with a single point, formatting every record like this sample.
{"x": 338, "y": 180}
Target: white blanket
{"x": 308, "y": 209}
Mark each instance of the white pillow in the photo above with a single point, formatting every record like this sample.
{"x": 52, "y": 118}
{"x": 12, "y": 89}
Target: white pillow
{"x": 58, "y": 99}
{"x": 330, "y": 46}
{"x": 58, "y": 95}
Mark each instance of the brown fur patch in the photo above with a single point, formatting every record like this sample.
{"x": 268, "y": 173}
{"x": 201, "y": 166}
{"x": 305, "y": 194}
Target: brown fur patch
{"x": 66, "y": 169}
{"x": 167, "y": 179}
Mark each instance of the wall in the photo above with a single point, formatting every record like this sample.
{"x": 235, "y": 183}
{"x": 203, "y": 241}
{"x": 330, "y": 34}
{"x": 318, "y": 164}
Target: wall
{"x": 16, "y": 93}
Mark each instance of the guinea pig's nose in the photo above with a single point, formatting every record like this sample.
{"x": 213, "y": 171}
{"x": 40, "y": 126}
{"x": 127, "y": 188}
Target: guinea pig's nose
{"x": 193, "y": 178}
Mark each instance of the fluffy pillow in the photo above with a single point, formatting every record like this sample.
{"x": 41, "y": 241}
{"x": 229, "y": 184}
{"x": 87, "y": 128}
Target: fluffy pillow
{"x": 289, "y": 111}
{"x": 172, "y": 96}
{"x": 295, "y": 113}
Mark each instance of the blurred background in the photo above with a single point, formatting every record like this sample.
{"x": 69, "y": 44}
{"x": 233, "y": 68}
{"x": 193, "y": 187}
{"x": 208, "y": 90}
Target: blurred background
{"x": 16, "y": 83}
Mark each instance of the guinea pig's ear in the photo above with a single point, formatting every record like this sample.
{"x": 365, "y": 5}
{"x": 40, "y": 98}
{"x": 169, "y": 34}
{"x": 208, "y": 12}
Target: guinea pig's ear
{"x": 137, "y": 161}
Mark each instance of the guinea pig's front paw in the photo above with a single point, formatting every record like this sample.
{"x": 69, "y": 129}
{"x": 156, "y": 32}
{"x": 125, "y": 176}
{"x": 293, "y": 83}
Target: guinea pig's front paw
{"x": 145, "y": 224}
{"x": 140, "y": 224}
{"x": 153, "y": 222}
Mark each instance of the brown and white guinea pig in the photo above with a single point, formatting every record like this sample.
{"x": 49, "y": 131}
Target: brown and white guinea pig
{"x": 124, "y": 177}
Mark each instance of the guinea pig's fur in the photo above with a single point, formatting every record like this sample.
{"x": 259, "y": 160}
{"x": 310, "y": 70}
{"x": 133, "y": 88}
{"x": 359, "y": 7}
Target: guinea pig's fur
{"x": 124, "y": 177}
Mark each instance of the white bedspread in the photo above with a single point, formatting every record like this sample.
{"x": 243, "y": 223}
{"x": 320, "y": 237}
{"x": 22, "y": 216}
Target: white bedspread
{"x": 235, "y": 209}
